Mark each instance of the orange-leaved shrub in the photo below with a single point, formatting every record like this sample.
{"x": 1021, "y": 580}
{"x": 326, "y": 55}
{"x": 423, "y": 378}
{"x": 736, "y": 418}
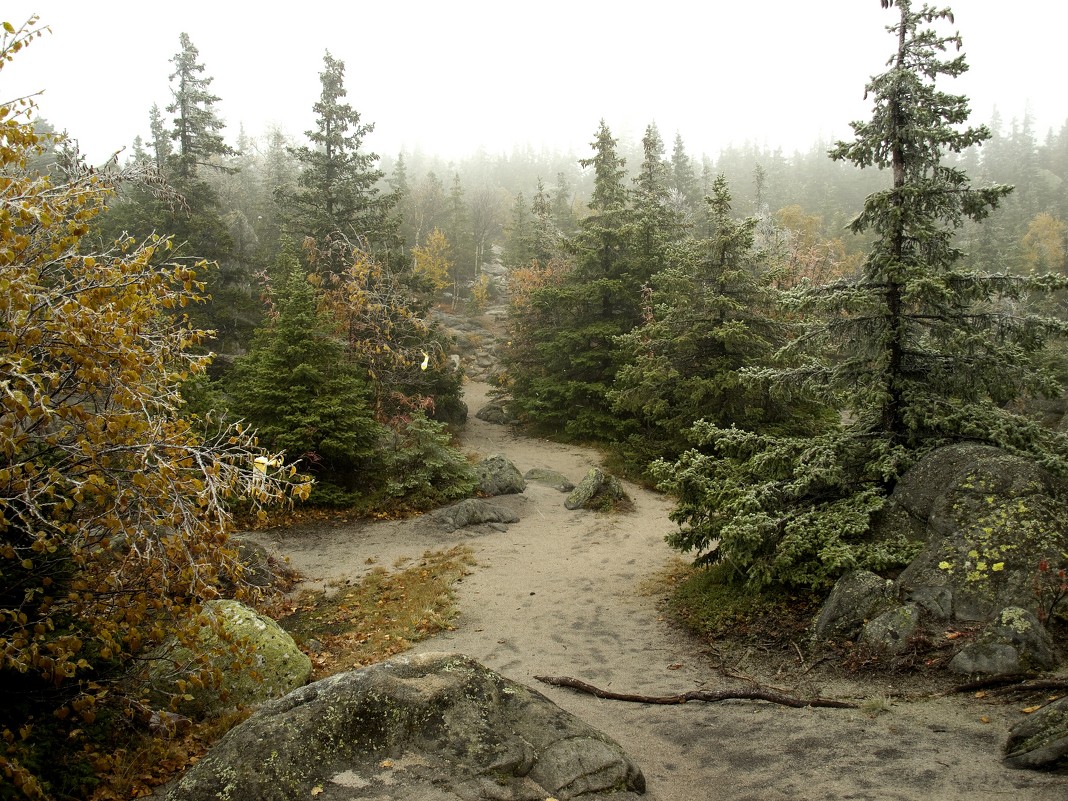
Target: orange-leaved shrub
{"x": 114, "y": 508}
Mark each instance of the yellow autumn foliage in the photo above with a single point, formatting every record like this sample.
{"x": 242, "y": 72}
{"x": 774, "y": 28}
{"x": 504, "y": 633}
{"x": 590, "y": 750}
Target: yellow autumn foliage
{"x": 114, "y": 510}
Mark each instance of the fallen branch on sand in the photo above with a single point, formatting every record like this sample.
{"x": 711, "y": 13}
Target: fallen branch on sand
{"x": 1012, "y": 683}
{"x": 697, "y": 695}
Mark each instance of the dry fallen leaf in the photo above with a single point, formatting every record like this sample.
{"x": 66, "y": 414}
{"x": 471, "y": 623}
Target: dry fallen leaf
{"x": 984, "y": 719}
{"x": 675, "y": 666}
{"x": 1030, "y": 709}
{"x": 981, "y": 694}
{"x": 386, "y": 763}
{"x": 317, "y": 790}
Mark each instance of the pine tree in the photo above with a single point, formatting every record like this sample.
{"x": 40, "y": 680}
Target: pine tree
{"x": 517, "y": 243}
{"x": 684, "y": 186}
{"x": 339, "y": 190}
{"x": 161, "y": 145}
{"x": 579, "y": 317}
{"x": 562, "y": 200}
{"x": 545, "y": 237}
{"x": 708, "y": 315}
{"x": 656, "y": 224}
{"x": 197, "y": 126}
{"x": 299, "y": 390}
{"x": 915, "y": 353}
{"x": 458, "y": 228}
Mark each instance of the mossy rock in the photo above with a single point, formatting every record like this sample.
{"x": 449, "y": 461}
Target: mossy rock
{"x": 857, "y": 597}
{"x": 498, "y": 476}
{"x": 256, "y": 660}
{"x": 893, "y": 630}
{"x": 1041, "y": 741}
{"x": 550, "y": 478}
{"x": 1014, "y": 642}
{"x": 599, "y": 491}
{"x": 992, "y": 520}
{"x": 429, "y": 727}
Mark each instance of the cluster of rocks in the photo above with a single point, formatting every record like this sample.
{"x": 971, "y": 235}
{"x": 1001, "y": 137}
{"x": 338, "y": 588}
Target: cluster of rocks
{"x": 497, "y": 477}
{"x": 988, "y": 521}
{"x": 433, "y": 727}
{"x": 476, "y": 340}
{"x": 993, "y": 532}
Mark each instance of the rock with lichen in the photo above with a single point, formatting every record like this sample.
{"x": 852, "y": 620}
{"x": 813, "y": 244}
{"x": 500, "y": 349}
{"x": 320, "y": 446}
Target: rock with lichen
{"x": 430, "y": 727}
{"x": 1014, "y": 642}
{"x": 893, "y": 630}
{"x": 857, "y": 597}
{"x": 599, "y": 491}
{"x": 474, "y": 512}
{"x": 254, "y": 660}
{"x": 996, "y": 527}
{"x": 550, "y": 478}
{"x": 1041, "y": 740}
{"x": 498, "y": 476}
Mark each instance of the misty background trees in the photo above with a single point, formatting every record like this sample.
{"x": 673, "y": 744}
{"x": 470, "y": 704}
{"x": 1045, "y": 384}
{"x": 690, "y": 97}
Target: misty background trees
{"x": 645, "y": 282}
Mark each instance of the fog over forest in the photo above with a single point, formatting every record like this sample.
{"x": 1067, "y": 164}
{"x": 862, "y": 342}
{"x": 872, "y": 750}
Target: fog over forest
{"x": 458, "y": 78}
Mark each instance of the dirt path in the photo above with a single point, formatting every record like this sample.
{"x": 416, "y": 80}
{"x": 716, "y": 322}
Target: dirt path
{"x": 573, "y": 593}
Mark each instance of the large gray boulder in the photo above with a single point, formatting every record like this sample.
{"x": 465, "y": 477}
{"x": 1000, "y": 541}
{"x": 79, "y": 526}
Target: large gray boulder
{"x": 431, "y": 727}
{"x": 990, "y": 519}
{"x": 256, "y": 661}
{"x": 1040, "y": 741}
{"x": 474, "y": 512}
{"x": 498, "y": 476}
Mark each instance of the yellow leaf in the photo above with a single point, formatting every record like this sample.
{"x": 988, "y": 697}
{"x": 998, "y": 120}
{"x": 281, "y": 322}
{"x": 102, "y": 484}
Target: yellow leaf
{"x": 317, "y": 790}
{"x": 1028, "y": 710}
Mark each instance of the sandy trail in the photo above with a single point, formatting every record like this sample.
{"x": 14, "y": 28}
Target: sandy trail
{"x": 573, "y": 593}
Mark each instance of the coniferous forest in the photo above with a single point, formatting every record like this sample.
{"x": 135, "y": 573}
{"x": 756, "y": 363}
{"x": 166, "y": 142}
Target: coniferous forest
{"x": 203, "y": 333}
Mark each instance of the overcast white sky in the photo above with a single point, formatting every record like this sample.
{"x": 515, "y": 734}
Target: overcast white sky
{"x": 449, "y": 76}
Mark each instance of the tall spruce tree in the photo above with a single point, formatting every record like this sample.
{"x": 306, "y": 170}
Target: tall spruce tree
{"x": 562, "y": 205}
{"x": 684, "y": 186}
{"x": 708, "y": 315}
{"x": 339, "y": 192}
{"x": 580, "y": 317}
{"x": 545, "y": 236}
{"x": 915, "y": 353}
{"x": 196, "y": 126}
{"x": 197, "y": 153}
{"x": 656, "y": 225}
{"x": 517, "y": 236}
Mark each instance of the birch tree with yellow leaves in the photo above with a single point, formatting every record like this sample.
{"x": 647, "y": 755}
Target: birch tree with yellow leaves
{"x": 114, "y": 509}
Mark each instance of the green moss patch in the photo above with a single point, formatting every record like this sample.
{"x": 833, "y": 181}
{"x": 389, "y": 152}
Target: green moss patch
{"x": 716, "y": 604}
